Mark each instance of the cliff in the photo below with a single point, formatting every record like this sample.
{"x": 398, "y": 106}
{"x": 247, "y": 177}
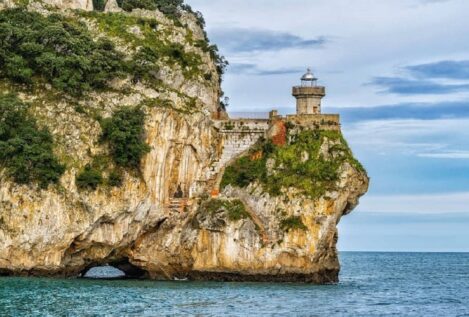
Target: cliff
{"x": 110, "y": 156}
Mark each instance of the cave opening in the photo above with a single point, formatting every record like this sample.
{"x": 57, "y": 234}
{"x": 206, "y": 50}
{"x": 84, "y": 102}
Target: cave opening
{"x": 120, "y": 269}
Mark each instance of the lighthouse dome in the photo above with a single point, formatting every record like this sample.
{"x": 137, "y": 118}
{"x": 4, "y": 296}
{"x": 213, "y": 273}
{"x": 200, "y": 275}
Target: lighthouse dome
{"x": 308, "y": 76}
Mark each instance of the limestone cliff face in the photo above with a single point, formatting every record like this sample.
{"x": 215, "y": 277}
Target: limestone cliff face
{"x": 254, "y": 245}
{"x": 157, "y": 224}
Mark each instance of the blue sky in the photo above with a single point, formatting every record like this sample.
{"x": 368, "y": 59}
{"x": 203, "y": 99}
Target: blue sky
{"x": 398, "y": 73}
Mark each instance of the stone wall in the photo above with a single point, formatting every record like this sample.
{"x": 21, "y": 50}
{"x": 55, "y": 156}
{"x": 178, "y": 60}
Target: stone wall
{"x": 238, "y": 136}
{"x": 320, "y": 121}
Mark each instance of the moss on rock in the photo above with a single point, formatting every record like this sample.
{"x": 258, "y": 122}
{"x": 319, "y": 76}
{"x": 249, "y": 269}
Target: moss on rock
{"x": 292, "y": 223}
{"x": 234, "y": 209}
{"x": 301, "y": 164}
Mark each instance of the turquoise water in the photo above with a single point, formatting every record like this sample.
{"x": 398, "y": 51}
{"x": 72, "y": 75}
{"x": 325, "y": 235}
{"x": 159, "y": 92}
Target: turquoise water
{"x": 372, "y": 284}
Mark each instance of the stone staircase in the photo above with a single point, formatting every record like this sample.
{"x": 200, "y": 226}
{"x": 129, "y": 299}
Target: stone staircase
{"x": 237, "y": 141}
{"x": 238, "y": 137}
{"x": 177, "y": 204}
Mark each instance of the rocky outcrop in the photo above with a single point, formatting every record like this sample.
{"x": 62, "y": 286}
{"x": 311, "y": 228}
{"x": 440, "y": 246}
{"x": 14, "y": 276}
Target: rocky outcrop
{"x": 86, "y": 5}
{"x": 161, "y": 222}
{"x": 111, "y": 6}
{"x": 71, "y": 4}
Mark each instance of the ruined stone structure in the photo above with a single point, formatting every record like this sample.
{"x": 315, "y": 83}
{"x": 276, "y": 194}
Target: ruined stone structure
{"x": 240, "y": 134}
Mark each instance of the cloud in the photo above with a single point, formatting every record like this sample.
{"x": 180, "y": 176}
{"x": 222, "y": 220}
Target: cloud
{"x": 404, "y": 86}
{"x": 447, "y": 155}
{"x": 426, "y": 79}
{"x": 432, "y": 1}
{"x": 242, "y": 40}
{"x": 441, "y": 69}
{"x": 410, "y": 137}
{"x": 419, "y": 203}
{"x": 253, "y": 69}
{"x": 441, "y": 110}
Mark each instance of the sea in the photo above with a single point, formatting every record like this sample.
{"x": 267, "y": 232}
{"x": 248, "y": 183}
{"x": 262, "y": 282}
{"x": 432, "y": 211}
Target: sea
{"x": 371, "y": 284}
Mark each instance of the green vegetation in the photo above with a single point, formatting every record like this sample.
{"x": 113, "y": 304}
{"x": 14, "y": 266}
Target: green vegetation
{"x": 299, "y": 164}
{"x": 237, "y": 210}
{"x": 61, "y": 51}
{"x": 234, "y": 209}
{"x": 145, "y": 65}
{"x": 26, "y": 150}
{"x": 56, "y": 49}
{"x": 89, "y": 178}
{"x": 243, "y": 172}
{"x": 198, "y": 15}
{"x": 99, "y": 5}
{"x": 115, "y": 178}
{"x": 169, "y": 7}
{"x": 292, "y": 223}
{"x": 220, "y": 61}
{"x": 124, "y": 132}
{"x": 150, "y": 48}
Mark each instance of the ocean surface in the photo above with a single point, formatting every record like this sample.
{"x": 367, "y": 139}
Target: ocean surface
{"x": 372, "y": 284}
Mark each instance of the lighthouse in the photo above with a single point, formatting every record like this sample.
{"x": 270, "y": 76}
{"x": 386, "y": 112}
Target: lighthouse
{"x": 308, "y": 95}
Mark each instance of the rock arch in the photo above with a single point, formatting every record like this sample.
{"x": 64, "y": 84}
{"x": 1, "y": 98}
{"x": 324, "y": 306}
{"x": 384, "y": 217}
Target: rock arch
{"x": 118, "y": 269}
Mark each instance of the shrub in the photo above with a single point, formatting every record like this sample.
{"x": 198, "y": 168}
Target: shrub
{"x": 124, "y": 132}
{"x": 26, "y": 151}
{"x": 99, "y": 5}
{"x": 149, "y": 51}
{"x": 129, "y": 5}
{"x": 144, "y": 64}
{"x": 169, "y": 7}
{"x": 89, "y": 178}
{"x": 198, "y": 15}
{"x": 292, "y": 223}
{"x": 243, "y": 172}
{"x": 115, "y": 178}
{"x": 220, "y": 61}
{"x": 235, "y": 209}
{"x": 54, "y": 48}
{"x": 80, "y": 109}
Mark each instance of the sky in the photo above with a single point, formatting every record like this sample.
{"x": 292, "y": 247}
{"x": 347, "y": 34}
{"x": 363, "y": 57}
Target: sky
{"x": 397, "y": 72}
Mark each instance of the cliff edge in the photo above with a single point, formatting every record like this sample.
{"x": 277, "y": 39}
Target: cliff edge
{"x": 112, "y": 151}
